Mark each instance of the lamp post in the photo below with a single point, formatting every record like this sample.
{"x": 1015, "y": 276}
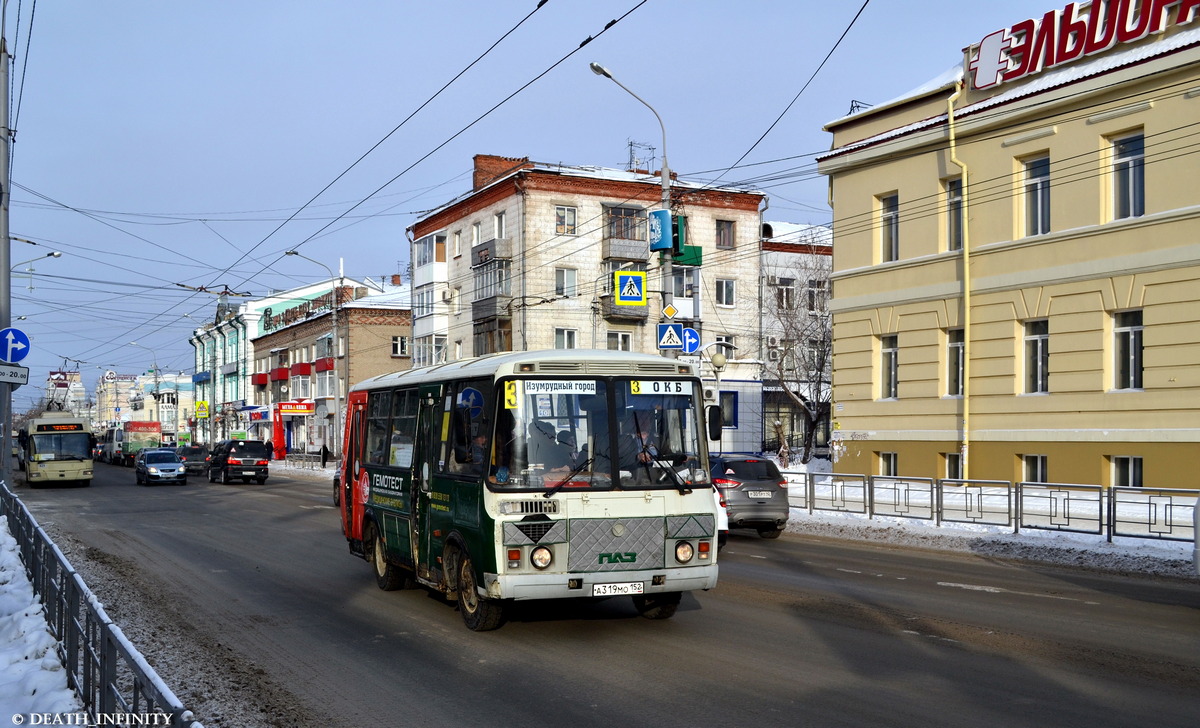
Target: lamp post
{"x": 668, "y": 273}
{"x": 337, "y": 382}
{"x": 30, "y": 262}
{"x": 718, "y": 362}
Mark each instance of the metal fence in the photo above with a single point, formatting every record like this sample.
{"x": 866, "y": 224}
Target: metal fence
{"x": 104, "y": 669}
{"x": 1157, "y": 513}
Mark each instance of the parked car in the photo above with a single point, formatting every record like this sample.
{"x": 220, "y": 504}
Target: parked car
{"x": 195, "y": 457}
{"x": 755, "y": 493}
{"x": 244, "y": 459}
{"x": 158, "y": 465}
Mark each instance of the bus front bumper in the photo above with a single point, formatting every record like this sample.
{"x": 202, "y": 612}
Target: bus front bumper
{"x": 561, "y": 585}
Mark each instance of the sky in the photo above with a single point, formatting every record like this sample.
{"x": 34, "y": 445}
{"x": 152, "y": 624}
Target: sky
{"x": 33, "y": 681}
{"x": 164, "y": 147}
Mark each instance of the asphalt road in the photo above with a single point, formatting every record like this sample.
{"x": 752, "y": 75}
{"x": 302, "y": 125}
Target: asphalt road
{"x": 800, "y": 631}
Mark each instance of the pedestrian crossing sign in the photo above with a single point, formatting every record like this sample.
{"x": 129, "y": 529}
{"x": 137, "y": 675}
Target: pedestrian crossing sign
{"x": 630, "y": 287}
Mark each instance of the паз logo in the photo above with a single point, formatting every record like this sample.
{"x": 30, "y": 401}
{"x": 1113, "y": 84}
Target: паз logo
{"x": 628, "y": 557}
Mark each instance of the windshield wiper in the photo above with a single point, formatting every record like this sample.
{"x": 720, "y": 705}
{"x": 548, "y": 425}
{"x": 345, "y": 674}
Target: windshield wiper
{"x": 669, "y": 468}
{"x": 567, "y": 478}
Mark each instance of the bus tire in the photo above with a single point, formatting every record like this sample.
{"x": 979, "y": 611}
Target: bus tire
{"x": 388, "y": 576}
{"x": 657, "y": 606}
{"x": 479, "y": 613}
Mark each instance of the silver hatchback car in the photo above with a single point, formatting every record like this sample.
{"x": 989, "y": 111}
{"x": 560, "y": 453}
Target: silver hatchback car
{"x": 755, "y": 492}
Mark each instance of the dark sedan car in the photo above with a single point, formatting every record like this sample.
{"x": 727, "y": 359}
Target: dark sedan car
{"x": 755, "y": 492}
{"x": 195, "y": 457}
{"x": 159, "y": 465}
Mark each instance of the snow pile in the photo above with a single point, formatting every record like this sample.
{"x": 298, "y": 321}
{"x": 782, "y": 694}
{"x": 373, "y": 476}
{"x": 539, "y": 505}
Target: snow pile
{"x": 32, "y": 680}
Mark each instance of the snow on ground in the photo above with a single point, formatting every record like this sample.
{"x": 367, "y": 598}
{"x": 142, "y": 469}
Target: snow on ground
{"x": 32, "y": 680}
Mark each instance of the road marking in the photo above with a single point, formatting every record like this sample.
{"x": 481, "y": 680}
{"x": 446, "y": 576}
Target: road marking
{"x": 999, "y": 590}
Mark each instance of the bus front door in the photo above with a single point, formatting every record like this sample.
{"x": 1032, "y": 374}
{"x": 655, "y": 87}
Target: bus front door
{"x": 425, "y": 464}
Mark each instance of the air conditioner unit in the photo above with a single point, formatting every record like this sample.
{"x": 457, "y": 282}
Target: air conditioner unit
{"x": 772, "y": 280}
{"x": 447, "y": 295}
{"x": 710, "y": 394}
{"x": 773, "y": 341}
{"x": 773, "y": 355}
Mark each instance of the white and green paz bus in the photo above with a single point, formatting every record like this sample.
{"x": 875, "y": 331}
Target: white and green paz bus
{"x": 533, "y": 475}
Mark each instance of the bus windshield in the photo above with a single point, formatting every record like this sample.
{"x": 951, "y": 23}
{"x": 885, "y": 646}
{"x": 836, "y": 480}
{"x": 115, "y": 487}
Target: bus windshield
{"x": 597, "y": 434}
{"x": 60, "y": 446}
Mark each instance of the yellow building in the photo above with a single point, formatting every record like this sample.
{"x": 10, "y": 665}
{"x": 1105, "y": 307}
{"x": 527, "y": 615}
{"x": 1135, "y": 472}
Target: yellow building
{"x": 1016, "y": 288}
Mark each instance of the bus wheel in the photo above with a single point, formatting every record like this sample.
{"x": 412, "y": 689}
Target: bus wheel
{"x": 480, "y": 613}
{"x": 387, "y": 576}
{"x": 657, "y": 606}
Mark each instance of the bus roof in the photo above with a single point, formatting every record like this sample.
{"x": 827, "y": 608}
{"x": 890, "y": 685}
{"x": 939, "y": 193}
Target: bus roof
{"x": 594, "y": 362}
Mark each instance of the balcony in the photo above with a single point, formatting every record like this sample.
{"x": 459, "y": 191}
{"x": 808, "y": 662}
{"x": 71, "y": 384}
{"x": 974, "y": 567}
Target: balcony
{"x": 623, "y": 249}
{"x": 498, "y": 306}
{"x": 489, "y": 250}
{"x": 613, "y": 311}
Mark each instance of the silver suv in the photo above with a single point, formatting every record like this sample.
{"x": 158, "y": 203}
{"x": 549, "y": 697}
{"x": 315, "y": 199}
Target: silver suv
{"x": 755, "y": 492}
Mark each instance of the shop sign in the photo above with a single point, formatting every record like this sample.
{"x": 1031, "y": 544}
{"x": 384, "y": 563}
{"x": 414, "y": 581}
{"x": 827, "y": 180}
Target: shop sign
{"x": 1078, "y": 30}
{"x": 297, "y": 407}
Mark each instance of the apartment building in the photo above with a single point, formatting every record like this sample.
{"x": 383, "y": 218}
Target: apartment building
{"x": 525, "y": 261}
{"x": 1016, "y": 269}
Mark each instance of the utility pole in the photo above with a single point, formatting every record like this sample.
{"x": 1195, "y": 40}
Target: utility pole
{"x": 6, "y": 418}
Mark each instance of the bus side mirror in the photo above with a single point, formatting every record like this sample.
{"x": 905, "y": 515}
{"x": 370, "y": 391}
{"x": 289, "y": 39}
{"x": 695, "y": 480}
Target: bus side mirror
{"x": 716, "y": 421}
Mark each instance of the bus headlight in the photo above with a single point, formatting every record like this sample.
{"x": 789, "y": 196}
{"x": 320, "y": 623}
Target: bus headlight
{"x": 541, "y": 557}
{"x": 684, "y": 552}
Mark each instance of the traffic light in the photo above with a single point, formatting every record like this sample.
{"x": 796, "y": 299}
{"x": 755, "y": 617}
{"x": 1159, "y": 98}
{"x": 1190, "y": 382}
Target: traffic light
{"x": 678, "y": 234}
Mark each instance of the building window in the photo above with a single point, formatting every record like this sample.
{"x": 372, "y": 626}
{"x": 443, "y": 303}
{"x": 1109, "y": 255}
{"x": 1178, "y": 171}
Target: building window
{"x": 476, "y": 234}
{"x": 816, "y": 294}
{"x": 725, "y": 339}
{"x": 457, "y": 243}
{"x": 399, "y": 346}
{"x": 1129, "y": 181}
{"x": 564, "y": 338}
{"x": 300, "y": 387}
{"x": 889, "y": 227}
{"x": 564, "y": 220}
{"x": 564, "y": 282}
{"x": 889, "y": 463}
{"x": 685, "y": 281}
{"x": 429, "y": 350}
{"x": 626, "y": 223}
{"x": 725, "y": 292}
{"x": 785, "y": 292}
{"x": 498, "y": 227}
{"x": 609, "y": 267}
{"x": 729, "y": 409}
{"x": 953, "y": 465}
{"x": 327, "y": 383}
{"x": 620, "y": 341}
{"x": 954, "y": 362}
{"x": 423, "y": 301}
{"x": 889, "y": 365}
{"x": 1035, "y": 469}
{"x": 492, "y": 279}
{"x": 429, "y": 249}
{"x": 1037, "y": 357}
{"x": 1127, "y": 471}
{"x": 725, "y": 234}
{"x": 1127, "y": 348}
{"x": 1037, "y": 196}
{"x": 954, "y": 214}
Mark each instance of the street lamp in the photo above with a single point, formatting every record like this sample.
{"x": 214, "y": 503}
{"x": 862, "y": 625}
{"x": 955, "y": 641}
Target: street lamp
{"x": 29, "y": 270}
{"x": 718, "y": 362}
{"x": 337, "y": 382}
{"x": 668, "y": 273}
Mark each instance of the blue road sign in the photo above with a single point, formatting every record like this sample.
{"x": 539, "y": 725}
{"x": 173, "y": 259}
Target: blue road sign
{"x": 630, "y": 287}
{"x": 691, "y": 340}
{"x": 14, "y": 345}
{"x": 670, "y": 336}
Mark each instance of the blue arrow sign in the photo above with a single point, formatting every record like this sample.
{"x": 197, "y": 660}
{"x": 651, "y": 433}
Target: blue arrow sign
{"x": 691, "y": 340}
{"x": 670, "y": 336}
{"x": 14, "y": 345}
